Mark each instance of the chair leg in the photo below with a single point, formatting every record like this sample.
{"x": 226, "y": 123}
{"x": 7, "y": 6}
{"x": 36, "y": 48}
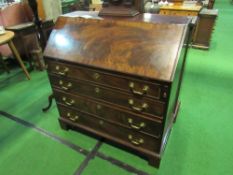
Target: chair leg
{"x": 4, "y": 65}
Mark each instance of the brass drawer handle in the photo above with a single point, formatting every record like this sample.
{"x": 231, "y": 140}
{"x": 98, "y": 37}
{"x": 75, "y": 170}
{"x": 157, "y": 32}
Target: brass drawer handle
{"x": 72, "y": 118}
{"x": 136, "y": 142}
{"x": 134, "y": 126}
{"x": 136, "y": 108}
{"x": 69, "y": 103}
{"x": 65, "y": 87}
{"x": 61, "y": 72}
{"x": 142, "y": 92}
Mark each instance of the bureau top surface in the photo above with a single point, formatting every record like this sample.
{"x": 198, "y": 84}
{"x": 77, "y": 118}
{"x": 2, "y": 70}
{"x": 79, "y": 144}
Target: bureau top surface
{"x": 144, "y": 17}
{"x": 132, "y": 47}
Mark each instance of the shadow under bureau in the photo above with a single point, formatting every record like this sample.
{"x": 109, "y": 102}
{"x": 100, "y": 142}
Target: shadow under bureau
{"x": 118, "y": 79}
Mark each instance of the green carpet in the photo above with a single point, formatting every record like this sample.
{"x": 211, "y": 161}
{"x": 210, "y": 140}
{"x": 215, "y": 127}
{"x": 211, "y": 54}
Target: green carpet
{"x": 25, "y": 152}
{"x": 201, "y": 141}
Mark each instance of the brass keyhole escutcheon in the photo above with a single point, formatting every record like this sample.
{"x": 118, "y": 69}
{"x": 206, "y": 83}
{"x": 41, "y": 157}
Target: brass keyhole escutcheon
{"x": 96, "y": 76}
{"x": 101, "y": 122}
{"x": 97, "y": 90}
{"x": 98, "y": 106}
{"x": 164, "y": 95}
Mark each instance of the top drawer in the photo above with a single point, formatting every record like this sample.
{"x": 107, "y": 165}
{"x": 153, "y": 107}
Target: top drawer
{"x": 128, "y": 84}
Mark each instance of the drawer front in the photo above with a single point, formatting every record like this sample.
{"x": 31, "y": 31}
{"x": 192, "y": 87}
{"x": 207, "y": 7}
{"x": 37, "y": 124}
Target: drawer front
{"x": 140, "y": 105}
{"x": 183, "y": 13}
{"x": 164, "y": 12}
{"x": 134, "y": 86}
{"x": 111, "y": 131}
{"x": 178, "y": 13}
{"x": 121, "y": 117}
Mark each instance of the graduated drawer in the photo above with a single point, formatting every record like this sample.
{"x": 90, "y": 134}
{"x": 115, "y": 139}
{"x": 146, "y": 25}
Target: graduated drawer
{"x": 124, "y": 83}
{"x": 178, "y": 12}
{"x": 108, "y": 130}
{"x": 183, "y": 13}
{"x": 112, "y": 114}
{"x": 123, "y": 100}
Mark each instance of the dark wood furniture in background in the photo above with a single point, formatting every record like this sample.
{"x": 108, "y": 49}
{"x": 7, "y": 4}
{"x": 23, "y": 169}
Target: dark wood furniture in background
{"x": 211, "y": 4}
{"x": 47, "y": 27}
{"x": 121, "y": 7}
{"x": 38, "y": 22}
{"x": 204, "y": 29}
{"x": 110, "y": 81}
{"x": 204, "y": 23}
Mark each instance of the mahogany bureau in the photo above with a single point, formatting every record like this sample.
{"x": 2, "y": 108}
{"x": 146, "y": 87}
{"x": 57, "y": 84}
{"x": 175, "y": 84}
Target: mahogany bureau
{"x": 118, "y": 79}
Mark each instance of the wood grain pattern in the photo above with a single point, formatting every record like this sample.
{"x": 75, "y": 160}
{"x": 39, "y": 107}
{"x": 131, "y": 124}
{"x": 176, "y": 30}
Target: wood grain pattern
{"x": 153, "y": 108}
{"x": 121, "y": 134}
{"x": 144, "y": 17}
{"x": 119, "y": 117}
{"x": 124, "y": 84}
{"x": 137, "y": 48}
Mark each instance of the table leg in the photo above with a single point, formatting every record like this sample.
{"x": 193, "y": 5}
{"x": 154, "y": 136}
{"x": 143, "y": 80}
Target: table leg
{"x": 15, "y": 52}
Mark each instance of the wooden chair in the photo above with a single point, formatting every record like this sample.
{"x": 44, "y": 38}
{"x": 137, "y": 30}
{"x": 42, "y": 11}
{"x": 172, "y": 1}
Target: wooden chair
{"x": 12, "y": 15}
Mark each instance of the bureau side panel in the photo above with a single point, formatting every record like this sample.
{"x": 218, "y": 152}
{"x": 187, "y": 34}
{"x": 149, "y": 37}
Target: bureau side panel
{"x": 173, "y": 104}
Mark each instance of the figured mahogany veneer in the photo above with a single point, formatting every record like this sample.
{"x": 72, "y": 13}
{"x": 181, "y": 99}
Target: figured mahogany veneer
{"x": 137, "y": 122}
{"x": 117, "y": 82}
{"x": 119, "y": 78}
{"x": 148, "y": 106}
{"x": 97, "y": 43}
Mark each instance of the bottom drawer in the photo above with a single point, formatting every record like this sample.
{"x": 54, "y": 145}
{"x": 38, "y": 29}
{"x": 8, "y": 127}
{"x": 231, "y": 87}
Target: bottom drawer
{"x": 113, "y": 132}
